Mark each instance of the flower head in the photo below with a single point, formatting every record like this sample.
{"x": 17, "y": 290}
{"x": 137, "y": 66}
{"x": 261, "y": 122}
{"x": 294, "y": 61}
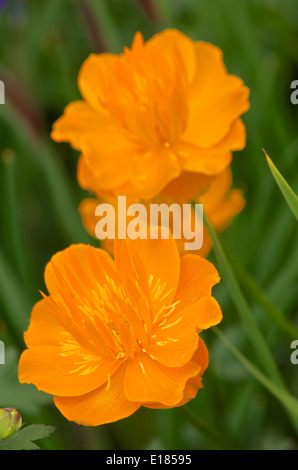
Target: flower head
{"x": 162, "y": 107}
{"x": 114, "y": 335}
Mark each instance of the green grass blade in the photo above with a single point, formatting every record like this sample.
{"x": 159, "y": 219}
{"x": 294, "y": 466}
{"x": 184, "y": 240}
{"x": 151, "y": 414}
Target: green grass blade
{"x": 290, "y": 402}
{"x": 289, "y": 195}
{"x": 254, "y": 333}
{"x": 248, "y": 282}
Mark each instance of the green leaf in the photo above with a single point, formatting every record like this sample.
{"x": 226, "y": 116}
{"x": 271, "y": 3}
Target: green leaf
{"x": 23, "y": 439}
{"x": 288, "y": 193}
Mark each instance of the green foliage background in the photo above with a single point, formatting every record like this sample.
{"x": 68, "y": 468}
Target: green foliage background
{"x": 42, "y": 45}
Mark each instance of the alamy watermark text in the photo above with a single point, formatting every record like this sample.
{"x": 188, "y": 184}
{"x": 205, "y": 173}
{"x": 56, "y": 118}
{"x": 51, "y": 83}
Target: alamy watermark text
{"x": 151, "y": 221}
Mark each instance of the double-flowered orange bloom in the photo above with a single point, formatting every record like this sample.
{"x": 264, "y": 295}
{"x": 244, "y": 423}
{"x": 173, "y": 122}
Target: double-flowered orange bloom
{"x": 161, "y": 108}
{"x": 158, "y": 124}
{"x": 114, "y": 335}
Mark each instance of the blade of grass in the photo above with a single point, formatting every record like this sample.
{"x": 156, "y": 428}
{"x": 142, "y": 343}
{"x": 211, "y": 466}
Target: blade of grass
{"x": 289, "y": 195}
{"x": 275, "y": 240}
{"x": 263, "y": 195}
{"x": 286, "y": 276}
{"x": 290, "y": 402}
{"x": 254, "y": 333}
{"x": 247, "y": 281}
{"x": 252, "y": 329}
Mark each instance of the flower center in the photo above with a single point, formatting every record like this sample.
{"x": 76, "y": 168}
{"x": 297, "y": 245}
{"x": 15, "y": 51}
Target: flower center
{"x": 147, "y": 96}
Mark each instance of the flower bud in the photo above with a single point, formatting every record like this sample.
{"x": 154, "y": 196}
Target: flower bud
{"x": 10, "y": 421}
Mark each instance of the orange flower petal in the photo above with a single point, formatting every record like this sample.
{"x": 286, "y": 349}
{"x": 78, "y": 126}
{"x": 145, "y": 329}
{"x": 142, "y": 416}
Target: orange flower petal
{"x": 44, "y": 329}
{"x": 203, "y": 251}
{"x": 172, "y": 350}
{"x": 57, "y": 371}
{"x": 72, "y": 259}
{"x": 86, "y": 176}
{"x": 152, "y": 171}
{"x": 79, "y": 119}
{"x": 187, "y": 187}
{"x": 192, "y": 386}
{"x": 197, "y": 277}
{"x": 93, "y": 79}
{"x": 201, "y": 357}
{"x": 171, "y": 42}
{"x": 175, "y": 339}
{"x": 209, "y": 314}
{"x": 218, "y": 190}
{"x": 112, "y": 158}
{"x": 146, "y": 380}
{"x": 103, "y": 405}
{"x": 89, "y": 179}
{"x": 221, "y": 203}
{"x": 215, "y": 158}
{"x": 216, "y": 100}
{"x": 87, "y": 211}
{"x": 225, "y": 212}
{"x": 160, "y": 264}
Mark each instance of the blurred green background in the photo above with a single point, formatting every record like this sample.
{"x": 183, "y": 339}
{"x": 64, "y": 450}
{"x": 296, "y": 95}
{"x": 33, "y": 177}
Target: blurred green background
{"x": 42, "y": 46}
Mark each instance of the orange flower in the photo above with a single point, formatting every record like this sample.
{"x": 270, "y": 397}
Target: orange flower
{"x": 116, "y": 335}
{"x": 220, "y": 204}
{"x": 159, "y": 108}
